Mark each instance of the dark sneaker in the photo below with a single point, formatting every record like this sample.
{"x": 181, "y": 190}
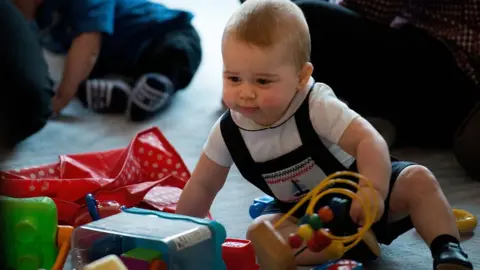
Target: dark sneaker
{"x": 451, "y": 257}
{"x": 105, "y": 95}
{"x": 151, "y": 93}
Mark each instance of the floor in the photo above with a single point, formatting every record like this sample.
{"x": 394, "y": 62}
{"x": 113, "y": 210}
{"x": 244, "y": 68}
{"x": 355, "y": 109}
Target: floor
{"x": 187, "y": 124}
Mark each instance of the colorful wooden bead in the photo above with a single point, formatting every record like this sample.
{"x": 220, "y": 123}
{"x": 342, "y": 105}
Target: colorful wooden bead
{"x": 313, "y": 247}
{"x": 315, "y": 222}
{"x": 319, "y": 241}
{"x": 326, "y": 214}
{"x": 304, "y": 220}
{"x": 339, "y": 207}
{"x": 295, "y": 240}
{"x": 305, "y": 231}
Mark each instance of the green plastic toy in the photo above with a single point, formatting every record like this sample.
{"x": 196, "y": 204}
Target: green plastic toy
{"x": 143, "y": 254}
{"x": 30, "y": 231}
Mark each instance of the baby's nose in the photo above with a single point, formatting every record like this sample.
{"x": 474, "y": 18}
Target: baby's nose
{"x": 247, "y": 92}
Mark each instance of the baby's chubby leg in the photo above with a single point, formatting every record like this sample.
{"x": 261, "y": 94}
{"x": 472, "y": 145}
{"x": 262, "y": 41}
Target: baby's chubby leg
{"x": 285, "y": 229}
{"x": 417, "y": 192}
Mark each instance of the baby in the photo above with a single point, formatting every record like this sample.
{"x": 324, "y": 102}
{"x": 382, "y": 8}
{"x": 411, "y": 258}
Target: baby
{"x": 285, "y": 132}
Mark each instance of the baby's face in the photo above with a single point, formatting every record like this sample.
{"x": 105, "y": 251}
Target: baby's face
{"x": 258, "y": 83}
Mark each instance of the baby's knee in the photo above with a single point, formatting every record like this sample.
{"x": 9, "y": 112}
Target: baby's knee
{"x": 418, "y": 181}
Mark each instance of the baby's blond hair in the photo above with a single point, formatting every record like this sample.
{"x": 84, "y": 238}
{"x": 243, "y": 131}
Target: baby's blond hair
{"x": 268, "y": 23}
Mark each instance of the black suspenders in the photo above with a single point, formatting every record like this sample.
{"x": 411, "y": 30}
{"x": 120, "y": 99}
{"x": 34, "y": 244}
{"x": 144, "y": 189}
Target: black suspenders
{"x": 240, "y": 154}
{"x": 310, "y": 140}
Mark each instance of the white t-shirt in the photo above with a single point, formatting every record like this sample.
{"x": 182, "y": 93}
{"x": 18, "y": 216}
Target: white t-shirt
{"x": 329, "y": 116}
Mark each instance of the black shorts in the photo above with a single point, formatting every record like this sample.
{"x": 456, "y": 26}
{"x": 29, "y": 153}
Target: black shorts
{"x": 384, "y": 230}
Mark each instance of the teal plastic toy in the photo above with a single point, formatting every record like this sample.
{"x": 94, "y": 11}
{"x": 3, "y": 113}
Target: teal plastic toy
{"x": 30, "y": 231}
{"x": 184, "y": 242}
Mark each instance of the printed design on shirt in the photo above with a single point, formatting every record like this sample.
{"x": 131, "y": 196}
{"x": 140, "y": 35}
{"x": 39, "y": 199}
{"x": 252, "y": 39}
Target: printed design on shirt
{"x": 291, "y": 183}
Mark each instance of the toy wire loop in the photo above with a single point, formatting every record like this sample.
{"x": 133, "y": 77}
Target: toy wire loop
{"x": 322, "y": 189}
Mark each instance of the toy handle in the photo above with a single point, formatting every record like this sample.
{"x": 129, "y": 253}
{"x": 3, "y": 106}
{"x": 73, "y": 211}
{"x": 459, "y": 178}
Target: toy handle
{"x": 92, "y": 206}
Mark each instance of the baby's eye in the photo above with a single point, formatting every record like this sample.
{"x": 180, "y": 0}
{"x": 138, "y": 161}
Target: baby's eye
{"x": 234, "y": 79}
{"x": 263, "y": 81}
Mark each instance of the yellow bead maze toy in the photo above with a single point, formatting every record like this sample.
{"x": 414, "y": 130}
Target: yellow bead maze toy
{"x": 275, "y": 253}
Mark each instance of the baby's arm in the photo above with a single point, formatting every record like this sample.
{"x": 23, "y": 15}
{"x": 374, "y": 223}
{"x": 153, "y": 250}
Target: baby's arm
{"x": 361, "y": 140}
{"x": 207, "y": 179}
{"x": 336, "y": 122}
{"x": 208, "y": 176}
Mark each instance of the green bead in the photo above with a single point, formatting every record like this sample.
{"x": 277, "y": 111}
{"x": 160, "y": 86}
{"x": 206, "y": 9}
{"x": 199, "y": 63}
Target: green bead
{"x": 304, "y": 220}
{"x": 315, "y": 222}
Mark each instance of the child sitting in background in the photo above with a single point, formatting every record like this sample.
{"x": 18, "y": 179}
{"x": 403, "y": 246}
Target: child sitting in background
{"x": 122, "y": 55}
{"x": 284, "y": 132}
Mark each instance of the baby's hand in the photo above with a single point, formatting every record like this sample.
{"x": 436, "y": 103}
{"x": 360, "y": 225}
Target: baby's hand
{"x": 372, "y": 199}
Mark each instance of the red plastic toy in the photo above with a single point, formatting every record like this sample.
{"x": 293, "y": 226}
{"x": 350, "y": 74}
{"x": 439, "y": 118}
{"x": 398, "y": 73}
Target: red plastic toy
{"x": 149, "y": 173}
{"x": 239, "y": 254}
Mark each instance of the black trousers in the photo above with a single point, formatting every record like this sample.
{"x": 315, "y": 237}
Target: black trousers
{"x": 401, "y": 75}
{"x": 26, "y": 89}
{"x": 175, "y": 54}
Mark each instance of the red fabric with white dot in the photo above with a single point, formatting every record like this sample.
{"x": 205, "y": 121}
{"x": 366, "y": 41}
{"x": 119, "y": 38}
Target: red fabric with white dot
{"x": 149, "y": 171}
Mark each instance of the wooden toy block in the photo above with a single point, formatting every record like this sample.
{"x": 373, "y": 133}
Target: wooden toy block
{"x": 371, "y": 241}
{"x": 110, "y": 262}
{"x": 272, "y": 251}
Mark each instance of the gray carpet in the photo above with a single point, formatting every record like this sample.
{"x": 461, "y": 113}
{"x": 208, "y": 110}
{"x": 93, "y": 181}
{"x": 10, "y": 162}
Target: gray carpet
{"x": 187, "y": 123}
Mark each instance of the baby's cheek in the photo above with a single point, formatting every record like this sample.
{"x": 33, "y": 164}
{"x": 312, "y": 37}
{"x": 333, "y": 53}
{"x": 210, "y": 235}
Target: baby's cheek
{"x": 271, "y": 101}
{"x": 228, "y": 98}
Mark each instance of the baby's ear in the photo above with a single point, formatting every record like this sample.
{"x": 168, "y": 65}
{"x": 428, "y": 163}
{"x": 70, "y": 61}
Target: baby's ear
{"x": 304, "y": 75}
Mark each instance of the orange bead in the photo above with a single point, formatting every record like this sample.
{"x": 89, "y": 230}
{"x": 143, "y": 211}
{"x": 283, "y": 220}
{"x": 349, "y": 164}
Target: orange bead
{"x": 326, "y": 214}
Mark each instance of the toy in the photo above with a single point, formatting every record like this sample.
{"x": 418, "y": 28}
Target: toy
{"x": 30, "y": 223}
{"x": 140, "y": 258}
{"x": 110, "y": 262}
{"x": 239, "y": 254}
{"x": 259, "y": 204}
{"x": 273, "y": 252}
{"x": 32, "y": 235}
{"x": 340, "y": 265}
{"x": 95, "y": 210}
{"x": 466, "y": 222}
{"x": 152, "y": 239}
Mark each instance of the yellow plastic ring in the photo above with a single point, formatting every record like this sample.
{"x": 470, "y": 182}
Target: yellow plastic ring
{"x": 466, "y": 221}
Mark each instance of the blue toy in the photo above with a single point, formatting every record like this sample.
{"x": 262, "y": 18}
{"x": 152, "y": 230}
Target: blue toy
{"x": 259, "y": 205}
{"x": 340, "y": 265}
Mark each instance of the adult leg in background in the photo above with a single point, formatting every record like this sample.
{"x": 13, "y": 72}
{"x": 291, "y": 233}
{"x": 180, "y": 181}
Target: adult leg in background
{"x": 167, "y": 66}
{"x": 144, "y": 88}
{"x": 27, "y": 90}
{"x": 466, "y": 147}
{"x": 401, "y": 75}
